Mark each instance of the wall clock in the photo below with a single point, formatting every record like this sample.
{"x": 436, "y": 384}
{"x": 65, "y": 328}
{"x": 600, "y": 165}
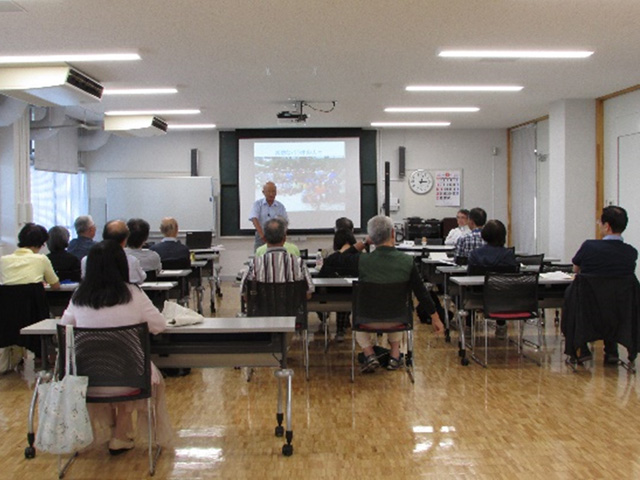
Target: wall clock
{"x": 420, "y": 181}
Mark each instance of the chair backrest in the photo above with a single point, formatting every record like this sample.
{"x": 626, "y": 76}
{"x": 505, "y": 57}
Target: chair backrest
{"x": 111, "y": 357}
{"x": 304, "y": 253}
{"x": 510, "y": 292}
{"x": 21, "y": 306}
{"x": 382, "y": 303}
{"x": 484, "y": 269}
{"x": 534, "y": 260}
{"x": 278, "y": 299}
{"x": 176, "y": 264}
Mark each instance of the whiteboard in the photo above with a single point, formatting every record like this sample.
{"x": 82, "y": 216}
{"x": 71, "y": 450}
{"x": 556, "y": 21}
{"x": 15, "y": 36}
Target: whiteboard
{"x": 190, "y": 200}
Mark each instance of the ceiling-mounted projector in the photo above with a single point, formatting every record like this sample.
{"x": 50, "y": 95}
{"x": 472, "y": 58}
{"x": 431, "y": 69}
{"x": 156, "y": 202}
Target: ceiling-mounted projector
{"x": 292, "y": 117}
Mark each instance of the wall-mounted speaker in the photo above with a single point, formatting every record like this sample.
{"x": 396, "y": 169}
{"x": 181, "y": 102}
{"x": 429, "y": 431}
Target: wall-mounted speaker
{"x": 194, "y": 162}
{"x": 402, "y": 165}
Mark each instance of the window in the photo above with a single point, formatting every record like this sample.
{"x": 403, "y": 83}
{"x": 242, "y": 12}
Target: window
{"x": 58, "y": 198}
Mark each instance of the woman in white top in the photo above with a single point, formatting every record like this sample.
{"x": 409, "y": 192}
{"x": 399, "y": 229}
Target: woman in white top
{"x": 106, "y": 299}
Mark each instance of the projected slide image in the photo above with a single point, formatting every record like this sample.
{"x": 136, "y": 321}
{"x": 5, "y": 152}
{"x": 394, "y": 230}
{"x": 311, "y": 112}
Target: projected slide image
{"x": 318, "y": 180}
{"x": 304, "y": 184}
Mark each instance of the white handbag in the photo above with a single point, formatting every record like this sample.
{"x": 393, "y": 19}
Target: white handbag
{"x": 63, "y": 420}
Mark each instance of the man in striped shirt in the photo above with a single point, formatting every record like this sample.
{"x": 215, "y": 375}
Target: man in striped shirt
{"x": 277, "y": 265}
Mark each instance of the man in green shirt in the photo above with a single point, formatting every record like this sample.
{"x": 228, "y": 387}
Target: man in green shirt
{"x": 387, "y": 265}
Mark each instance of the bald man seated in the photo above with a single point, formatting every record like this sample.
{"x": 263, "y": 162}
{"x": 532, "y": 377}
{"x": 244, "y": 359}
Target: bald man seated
{"x": 118, "y": 231}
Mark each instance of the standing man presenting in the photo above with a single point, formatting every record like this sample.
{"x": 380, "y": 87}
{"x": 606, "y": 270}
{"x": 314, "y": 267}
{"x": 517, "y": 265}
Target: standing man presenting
{"x": 264, "y": 210}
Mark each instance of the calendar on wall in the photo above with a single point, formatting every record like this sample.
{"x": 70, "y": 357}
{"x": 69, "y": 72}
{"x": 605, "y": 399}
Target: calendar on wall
{"x": 448, "y": 188}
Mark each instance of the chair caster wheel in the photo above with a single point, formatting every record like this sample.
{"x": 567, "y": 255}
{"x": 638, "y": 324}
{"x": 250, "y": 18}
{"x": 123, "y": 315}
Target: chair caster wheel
{"x": 287, "y": 450}
{"x": 279, "y": 431}
{"x": 464, "y": 361}
{"x": 29, "y": 452}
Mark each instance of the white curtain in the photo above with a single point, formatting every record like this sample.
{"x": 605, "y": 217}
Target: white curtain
{"x": 523, "y": 188}
{"x": 56, "y": 150}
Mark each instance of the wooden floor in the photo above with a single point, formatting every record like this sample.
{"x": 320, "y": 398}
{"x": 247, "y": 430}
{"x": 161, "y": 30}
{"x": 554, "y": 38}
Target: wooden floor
{"x": 512, "y": 420}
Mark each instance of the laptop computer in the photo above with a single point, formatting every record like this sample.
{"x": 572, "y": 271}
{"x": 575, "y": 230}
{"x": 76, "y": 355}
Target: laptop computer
{"x": 199, "y": 240}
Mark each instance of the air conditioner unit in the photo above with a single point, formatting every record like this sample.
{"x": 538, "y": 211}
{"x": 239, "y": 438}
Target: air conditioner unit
{"x": 49, "y": 86}
{"x": 135, "y": 125}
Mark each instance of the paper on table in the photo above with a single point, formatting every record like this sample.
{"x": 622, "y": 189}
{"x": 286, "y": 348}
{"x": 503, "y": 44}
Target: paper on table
{"x": 555, "y": 275}
{"x": 439, "y": 256}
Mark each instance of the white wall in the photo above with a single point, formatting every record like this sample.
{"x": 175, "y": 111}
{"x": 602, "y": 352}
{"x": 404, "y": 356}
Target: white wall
{"x": 571, "y": 176}
{"x": 8, "y": 217}
{"x": 622, "y": 126}
{"x": 484, "y": 175}
{"x": 622, "y": 117}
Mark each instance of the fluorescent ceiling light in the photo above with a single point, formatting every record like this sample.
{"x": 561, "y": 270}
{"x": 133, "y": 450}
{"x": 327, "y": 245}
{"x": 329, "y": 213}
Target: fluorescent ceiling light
{"x": 410, "y": 124}
{"x": 515, "y": 53}
{"x": 97, "y": 57}
{"x": 464, "y": 88}
{"x": 431, "y": 109}
{"x": 152, "y": 112}
{"x": 139, "y": 91}
{"x": 195, "y": 126}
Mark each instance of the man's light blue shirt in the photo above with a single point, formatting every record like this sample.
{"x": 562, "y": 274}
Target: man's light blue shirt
{"x": 264, "y": 212}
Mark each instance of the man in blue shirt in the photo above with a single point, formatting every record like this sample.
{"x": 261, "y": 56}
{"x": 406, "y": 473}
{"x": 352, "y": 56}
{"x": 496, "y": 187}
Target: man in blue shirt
{"x": 609, "y": 256}
{"x": 472, "y": 240}
{"x": 86, "y": 230}
{"x": 265, "y": 209}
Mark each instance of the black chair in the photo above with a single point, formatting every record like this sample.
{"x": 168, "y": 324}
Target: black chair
{"x": 115, "y": 357}
{"x": 390, "y": 304}
{"x": 509, "y": 296}
{"x": 531, "y": 260}
{"x": 603, "y": 307}
{"x": 281, "y": 299}
{"x": 304, "y": 253}
{"x": 21, "y": 306}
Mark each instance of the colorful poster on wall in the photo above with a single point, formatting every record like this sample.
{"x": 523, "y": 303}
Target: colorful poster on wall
{"x": 448, "y": 188}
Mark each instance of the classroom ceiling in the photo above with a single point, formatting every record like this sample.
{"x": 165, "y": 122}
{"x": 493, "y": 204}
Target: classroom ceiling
{"x": 243, "y": 61}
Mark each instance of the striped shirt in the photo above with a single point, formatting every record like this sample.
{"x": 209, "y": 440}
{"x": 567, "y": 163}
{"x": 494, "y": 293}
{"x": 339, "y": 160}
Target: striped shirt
{"x": 469, "y": 242}
{"x": 277, "y": 266}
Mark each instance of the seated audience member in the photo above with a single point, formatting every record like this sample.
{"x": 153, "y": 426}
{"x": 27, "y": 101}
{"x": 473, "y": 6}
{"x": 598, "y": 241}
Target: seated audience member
{"x": 494, "y": 254}
{"x": 26, "y": 264}
{"x": 454, "y": 234}
{"x": 288, "y": 246}
{"x": 388, "y": 265}
{"x": 276, "y": 265}
{"x": 344, "y": 223}
{"x": 607, "y": 257}
{"x": 343, "y": 262}
{"x": 86, "y": 230}
{"x": 170, "y": 247}
{"x": 138, "y": 235}
{"x": 472, "y": 240}
{"x": 105, "y": 299}
{"x": 65, "y": 264}
{"x": 117, "y": 231}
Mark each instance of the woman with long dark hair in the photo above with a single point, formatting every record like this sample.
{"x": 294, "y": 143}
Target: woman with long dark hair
{"x": 106, "y": 299}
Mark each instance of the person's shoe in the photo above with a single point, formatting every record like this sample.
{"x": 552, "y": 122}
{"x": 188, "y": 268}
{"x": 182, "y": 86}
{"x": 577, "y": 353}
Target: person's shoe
{"x": 117, "y": 446}
{"x": 582, "y": 355}
{"x": 339, "y": 336}
{"x": 371, "y": 363}
{"x": 395, "y": 363}
{"x": 501, "y": 331}
{"x": 611, "y": 359}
